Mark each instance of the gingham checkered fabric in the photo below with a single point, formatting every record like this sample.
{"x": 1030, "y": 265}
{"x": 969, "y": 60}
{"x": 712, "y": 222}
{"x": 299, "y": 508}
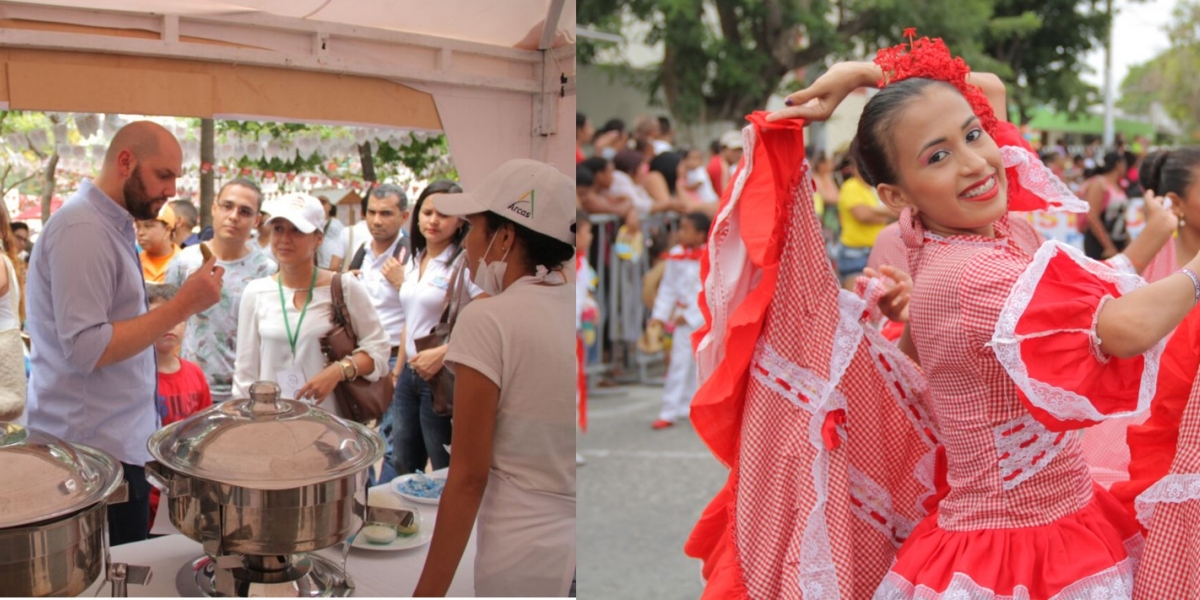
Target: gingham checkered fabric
{"x": 1170, "y": 566}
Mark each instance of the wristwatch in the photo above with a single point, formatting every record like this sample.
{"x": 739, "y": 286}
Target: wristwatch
{"x": 349, "y": 369}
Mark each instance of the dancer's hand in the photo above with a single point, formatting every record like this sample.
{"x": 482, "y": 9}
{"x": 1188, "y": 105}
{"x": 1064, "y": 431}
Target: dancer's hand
{"x": 894, "y": 302}
{"x": 818, "y": 101}
{"x": 1159, "y": 214}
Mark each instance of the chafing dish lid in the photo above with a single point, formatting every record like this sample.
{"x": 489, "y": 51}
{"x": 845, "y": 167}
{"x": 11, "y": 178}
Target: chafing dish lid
{"x": 45, "y": 477}
{"x": 266, "y": 442}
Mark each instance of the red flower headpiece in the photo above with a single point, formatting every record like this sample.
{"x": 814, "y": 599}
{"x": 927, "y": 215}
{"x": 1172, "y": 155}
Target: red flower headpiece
{"x": 931, "y": 59}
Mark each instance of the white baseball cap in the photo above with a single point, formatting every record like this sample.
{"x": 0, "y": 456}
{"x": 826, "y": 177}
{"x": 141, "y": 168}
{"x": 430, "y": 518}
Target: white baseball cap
{"x": 527, "y": 192}
{"x": 300, "y": 209}
{"x": 732, "y": 140}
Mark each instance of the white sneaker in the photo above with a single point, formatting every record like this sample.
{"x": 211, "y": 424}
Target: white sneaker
{"x": 579, "y": 460}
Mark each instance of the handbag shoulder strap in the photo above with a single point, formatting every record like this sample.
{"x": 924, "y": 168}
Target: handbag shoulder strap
{"x": 338, "y": 298}
{"x": 450, "y": 303}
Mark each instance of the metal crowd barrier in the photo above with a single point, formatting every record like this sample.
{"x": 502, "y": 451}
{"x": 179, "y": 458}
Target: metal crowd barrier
{"x": 618, "y": 296}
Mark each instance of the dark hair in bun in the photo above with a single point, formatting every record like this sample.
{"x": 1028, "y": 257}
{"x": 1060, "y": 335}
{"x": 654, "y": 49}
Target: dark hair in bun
{"x": 1166, "y": 171}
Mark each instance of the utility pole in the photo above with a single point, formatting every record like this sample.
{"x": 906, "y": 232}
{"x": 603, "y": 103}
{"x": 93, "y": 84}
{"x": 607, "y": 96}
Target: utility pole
{"x": 1109, "y": 126}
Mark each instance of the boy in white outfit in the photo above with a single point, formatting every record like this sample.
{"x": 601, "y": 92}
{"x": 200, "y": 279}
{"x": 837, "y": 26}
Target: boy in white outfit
{"x": 677, "y": 304}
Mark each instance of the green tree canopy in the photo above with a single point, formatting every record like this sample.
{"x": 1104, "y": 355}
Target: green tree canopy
{"x": 1169, "y": 79}
{"x": 724, "y": 58}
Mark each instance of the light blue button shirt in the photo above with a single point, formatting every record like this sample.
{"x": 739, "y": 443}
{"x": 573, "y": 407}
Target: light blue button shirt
{"x": 85, "y": 275}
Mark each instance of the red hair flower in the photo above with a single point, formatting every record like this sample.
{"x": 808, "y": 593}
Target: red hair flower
{"x": 931, "y": 59}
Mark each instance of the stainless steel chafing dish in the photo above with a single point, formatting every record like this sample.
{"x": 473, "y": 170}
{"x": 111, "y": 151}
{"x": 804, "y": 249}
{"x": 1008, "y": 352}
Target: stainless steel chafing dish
{"x": 261, "y": 483}
{"x": 54, "y": 518}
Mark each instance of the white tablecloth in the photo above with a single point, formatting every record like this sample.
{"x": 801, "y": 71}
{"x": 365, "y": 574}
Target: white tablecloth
{"x": 375, "y": 573}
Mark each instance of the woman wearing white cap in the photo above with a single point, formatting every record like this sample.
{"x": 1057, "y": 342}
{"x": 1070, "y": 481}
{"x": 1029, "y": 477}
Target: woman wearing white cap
{"x": 282, "y": 318}
{"x": 511, "y": 469}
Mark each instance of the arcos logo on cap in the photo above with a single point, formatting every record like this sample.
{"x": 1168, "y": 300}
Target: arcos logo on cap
{"x": 524, "y": 205}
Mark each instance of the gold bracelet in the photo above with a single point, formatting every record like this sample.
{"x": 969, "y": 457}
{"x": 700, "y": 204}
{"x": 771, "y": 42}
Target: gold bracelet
{"x": 347, "y": 366}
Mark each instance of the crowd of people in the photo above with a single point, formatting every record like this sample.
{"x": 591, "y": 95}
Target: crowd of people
{"x": 137, "y": 319}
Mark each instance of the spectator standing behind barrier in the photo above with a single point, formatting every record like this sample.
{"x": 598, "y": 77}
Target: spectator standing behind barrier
{"x": 211, "y": 336}
{"x": 513, "y": 410}
{"x": 1104, "y": 228}
{"x": 676, "y": 309}
{"x": 186, "y": 219}
{"x": 862, "y": 217}
{"x": 156, "y": 237}
{"x": 418, "y": 434}
{"x": 92, "y": 379}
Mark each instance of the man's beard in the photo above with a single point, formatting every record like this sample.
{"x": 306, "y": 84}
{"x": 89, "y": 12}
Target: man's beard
{"x": 137, "y": 201}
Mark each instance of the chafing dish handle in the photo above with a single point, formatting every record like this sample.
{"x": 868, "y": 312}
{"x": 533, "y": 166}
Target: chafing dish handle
{"x": 121, "y": 575}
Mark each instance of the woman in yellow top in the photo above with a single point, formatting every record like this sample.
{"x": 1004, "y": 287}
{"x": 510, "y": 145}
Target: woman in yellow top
{"x": 863, "y": 217}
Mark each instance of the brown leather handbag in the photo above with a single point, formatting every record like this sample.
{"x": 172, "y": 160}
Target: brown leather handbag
{"x": 360, "y": 400}
{"x": 442, "y": 382}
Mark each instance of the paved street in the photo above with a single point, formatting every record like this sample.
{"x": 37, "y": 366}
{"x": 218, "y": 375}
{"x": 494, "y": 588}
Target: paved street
{"x": 639, "y": 495}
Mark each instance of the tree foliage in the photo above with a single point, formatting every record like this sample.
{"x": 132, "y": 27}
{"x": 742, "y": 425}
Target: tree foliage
{"x": 724, "y": 58}
{"x": 1169, "y": 79}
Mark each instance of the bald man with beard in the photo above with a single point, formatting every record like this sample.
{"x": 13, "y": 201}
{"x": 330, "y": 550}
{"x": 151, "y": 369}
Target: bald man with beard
{"x": 93, "y": 375}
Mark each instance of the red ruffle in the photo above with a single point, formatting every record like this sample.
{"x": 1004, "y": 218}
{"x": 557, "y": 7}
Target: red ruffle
{"x": 717, "y": 406}
{"x": 1059, "y": 350}
{"x": 1044, "y": 559}
{"x": 1152, "y": 445}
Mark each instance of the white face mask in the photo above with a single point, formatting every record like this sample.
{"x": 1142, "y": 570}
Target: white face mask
{"x": 490, "y": 277}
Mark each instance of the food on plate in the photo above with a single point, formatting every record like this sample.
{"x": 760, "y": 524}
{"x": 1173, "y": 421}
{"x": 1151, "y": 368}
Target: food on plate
{"x": 378, "y": 533}
{"x": 421, "y": 486}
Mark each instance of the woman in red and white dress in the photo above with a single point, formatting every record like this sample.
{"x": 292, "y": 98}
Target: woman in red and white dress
{"x": 1019, "y": 351}
{"x": 1164, "y": 485}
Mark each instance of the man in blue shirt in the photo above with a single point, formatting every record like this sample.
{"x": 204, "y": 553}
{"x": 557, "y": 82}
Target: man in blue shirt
{"x": 93, "y": 375}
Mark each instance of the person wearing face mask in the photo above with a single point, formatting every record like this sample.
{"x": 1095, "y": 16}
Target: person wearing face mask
{"x": 418, "y": 435}
{"x": 511, "y": 471}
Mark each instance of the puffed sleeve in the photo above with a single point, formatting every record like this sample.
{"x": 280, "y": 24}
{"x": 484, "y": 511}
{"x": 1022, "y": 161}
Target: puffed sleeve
{"x": 372, "y": 339}
{"x": 249, "y": 344}
{"x": 1045, "y": 337}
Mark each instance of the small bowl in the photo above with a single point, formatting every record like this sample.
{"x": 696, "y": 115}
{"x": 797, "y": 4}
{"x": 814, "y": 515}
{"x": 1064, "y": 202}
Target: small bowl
{"x": 379, "y": 533}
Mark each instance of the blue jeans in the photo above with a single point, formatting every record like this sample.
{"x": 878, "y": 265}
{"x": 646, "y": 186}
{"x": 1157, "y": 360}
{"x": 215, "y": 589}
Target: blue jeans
{"x": 851, "y": 260}
{"x": 385, "y": 429}
{"x": 418, "y": 434}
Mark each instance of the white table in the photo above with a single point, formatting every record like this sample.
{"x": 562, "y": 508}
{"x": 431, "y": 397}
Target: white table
{"x": 375, "y": 573}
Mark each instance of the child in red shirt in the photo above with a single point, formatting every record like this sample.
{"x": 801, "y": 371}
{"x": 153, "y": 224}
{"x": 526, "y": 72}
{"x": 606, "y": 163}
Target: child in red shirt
{"x": 182, "y": 388}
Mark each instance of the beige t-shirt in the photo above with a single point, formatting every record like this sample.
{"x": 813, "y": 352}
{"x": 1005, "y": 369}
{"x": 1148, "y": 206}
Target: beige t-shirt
{"x": 523, "y": 340}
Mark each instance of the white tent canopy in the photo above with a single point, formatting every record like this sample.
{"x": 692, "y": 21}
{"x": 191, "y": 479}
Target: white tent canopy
{"x": 496, "y": 76}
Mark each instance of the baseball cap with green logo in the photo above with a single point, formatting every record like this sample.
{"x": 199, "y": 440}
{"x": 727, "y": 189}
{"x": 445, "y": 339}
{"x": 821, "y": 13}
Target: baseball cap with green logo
{"x": 530, "y": 193}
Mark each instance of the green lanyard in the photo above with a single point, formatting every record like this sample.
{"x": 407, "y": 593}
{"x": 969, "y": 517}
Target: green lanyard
{"x": 282, "y": 300}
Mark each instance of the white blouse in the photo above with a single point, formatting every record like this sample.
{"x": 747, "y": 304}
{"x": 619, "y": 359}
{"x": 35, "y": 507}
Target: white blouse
{"x": 423, "y": 296}
{"x": 263, "y": 350}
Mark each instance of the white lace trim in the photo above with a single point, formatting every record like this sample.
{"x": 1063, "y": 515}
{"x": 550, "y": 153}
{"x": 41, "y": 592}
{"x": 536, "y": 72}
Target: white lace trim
{"x": 1174, "y": 488}
{"x": 1024, "y": 447}
{"x": 1122, "y": 264}
{"x": 873, "y": 504}
{"x": 1097, "y": 353}
{"x": 1060, "y": 403}
{"x": 994, "y": 244}
{"x": 731, "y": 275}
{"x": 801, "y": 386}
{"x": 1113, "y": 583}
{"x": 1036, "y": 177}
{"x": 897, "y": 371}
